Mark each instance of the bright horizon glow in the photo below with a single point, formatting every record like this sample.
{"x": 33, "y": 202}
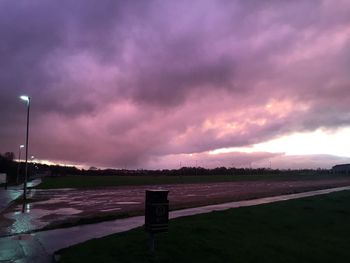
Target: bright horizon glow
{"x": 308, "y": 143}
{"x": 317, "y": 142}
{"x": 50, "y": 162}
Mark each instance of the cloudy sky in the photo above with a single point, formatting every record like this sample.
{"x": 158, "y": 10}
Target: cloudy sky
{"x": 164, "y": 84}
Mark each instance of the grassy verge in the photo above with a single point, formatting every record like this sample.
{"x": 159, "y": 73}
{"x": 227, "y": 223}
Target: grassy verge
{"x": 312, "y": 229}
{"x": 106, "y": 181}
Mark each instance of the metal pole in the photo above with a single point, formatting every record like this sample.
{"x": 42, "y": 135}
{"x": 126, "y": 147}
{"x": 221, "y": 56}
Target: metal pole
{"x": 19, "y": 163}
{"x": 26, "y": 170}
{"x": 152, "y": 242}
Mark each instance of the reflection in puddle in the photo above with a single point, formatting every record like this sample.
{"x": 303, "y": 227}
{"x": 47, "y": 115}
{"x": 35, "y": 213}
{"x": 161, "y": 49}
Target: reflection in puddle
{"x": 25, "y": 208}
{"x": 31, "y": 218}
{"x": 21, "y": 224}
{"x": 111, "y": 209}
{"x": 52, "y": 201}
{"x": 128, "y": 203}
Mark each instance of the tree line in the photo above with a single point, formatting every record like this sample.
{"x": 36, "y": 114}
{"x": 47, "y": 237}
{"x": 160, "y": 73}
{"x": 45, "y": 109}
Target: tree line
{"x": 16, "y": 171}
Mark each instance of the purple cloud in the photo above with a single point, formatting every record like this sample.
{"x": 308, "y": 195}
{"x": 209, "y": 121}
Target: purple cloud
{"x": 128, "y": 82}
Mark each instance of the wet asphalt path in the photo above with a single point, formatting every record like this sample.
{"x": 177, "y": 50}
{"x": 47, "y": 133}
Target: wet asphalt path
{"x": 13, "y": 192}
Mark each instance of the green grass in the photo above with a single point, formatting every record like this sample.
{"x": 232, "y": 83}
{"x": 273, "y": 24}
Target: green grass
{"x": 315, "y": 229}
{"x": 106, "y": 181}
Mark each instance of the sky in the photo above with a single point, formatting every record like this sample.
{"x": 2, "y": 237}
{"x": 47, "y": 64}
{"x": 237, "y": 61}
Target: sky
{"x": 163, "y": 84}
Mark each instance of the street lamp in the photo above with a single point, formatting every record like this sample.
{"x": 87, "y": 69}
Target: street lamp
{"x": 19, "y": 161}
{"x": 27, "y": 100}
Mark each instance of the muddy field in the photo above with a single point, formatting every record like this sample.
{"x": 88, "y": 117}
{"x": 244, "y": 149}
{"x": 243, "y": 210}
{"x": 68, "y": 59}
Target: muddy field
{"x": 54, "y": 207}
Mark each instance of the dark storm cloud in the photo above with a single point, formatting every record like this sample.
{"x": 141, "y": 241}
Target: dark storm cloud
{"x": 142, "y": 79}
{"x": 33, "y": 32}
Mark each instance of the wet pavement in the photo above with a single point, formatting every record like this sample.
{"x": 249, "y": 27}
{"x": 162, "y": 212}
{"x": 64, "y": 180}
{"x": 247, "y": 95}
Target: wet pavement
{"x": 39, "y": 247}
{"x": 61, "y": 206}
{"x": 14, "y": 192}
{"x": 7, "y": 197}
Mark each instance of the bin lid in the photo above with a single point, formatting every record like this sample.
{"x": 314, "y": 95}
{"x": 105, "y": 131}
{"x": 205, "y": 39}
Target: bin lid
{"x": 156, "y": 195}
{"x": 157, "y": 190}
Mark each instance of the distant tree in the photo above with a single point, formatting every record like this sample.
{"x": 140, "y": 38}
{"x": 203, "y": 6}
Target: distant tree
{"x": 93, "y": 168}
{"x": 9, "y": 156}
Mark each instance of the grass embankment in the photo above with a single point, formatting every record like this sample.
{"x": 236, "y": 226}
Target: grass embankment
{"x": 312, "y": 229}
{"x": 107, "y": 181}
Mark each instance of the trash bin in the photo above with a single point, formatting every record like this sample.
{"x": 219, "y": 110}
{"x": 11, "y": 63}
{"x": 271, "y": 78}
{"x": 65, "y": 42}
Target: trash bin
{"x": 156, "y": 211}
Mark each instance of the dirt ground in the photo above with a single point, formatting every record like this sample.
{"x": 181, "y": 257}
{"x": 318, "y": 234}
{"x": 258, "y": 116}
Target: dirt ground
{"x": 54, "y": 207}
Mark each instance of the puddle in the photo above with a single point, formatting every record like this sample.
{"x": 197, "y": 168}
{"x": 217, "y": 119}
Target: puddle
{"x": 112, "y": 209}
{"x": 66, "y": 211}
{"x": 75, "y": 202}
{"x": 128, "y": 203}
{"x": 36, "y": 214}
{"x": 52, "y": 201}
{"x": 31, "y": 218}
{"x": 57, "y": 189}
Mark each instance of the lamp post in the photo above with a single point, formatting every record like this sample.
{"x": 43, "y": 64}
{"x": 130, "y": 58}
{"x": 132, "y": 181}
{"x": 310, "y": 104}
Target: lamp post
{"x": 19, "y": 161}
{"x": 27, "y": 100}
{"x": 34, "y": 167}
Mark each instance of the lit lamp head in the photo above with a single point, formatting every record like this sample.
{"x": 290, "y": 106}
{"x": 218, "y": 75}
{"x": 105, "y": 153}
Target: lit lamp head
{"x": 25, "y": 98}
{"x": 21, "y": 146}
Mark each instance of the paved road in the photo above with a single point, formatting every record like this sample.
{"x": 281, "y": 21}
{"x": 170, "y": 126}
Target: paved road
{"x": 39, "y": 247}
